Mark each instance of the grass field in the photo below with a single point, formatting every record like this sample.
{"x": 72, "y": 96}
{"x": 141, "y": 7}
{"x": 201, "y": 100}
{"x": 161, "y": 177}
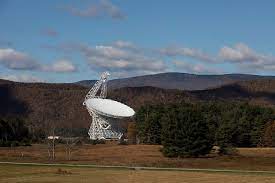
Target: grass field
{"x": 23, "y": 173}
{"x": 142, "y": 155}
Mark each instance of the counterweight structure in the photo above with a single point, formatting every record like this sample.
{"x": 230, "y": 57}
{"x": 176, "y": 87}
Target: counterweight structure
{"x": 101, "y": 127}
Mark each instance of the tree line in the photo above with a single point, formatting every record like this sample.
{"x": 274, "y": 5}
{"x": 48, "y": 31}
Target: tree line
{"x": 183, "y": 129}
{"x": 192, "y": 129}
{"x": 13, "y": 132}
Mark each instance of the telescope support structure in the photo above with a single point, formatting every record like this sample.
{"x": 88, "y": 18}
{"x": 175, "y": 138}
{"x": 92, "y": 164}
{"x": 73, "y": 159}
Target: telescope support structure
{"x": 100, "y": 127}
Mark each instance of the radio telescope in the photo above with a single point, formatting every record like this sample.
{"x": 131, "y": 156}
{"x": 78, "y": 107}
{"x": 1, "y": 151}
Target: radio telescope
{"x": 105, "y": 113}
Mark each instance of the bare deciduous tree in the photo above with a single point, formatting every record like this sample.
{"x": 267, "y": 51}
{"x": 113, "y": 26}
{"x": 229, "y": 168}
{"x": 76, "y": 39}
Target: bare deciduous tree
{"x": 70, "y": 143}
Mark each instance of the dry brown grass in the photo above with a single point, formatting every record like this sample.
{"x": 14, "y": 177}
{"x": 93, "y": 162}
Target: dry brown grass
{"x": 258, "y": 152}
{"x": 142, "y": 155}
{"x": 17, "y": 173}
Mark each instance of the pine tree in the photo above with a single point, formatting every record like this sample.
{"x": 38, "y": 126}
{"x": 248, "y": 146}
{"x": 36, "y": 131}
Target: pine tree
{"x": 185, "y": 133}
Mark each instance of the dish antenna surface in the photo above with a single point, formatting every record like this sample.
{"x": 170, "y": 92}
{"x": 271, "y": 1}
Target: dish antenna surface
{"x": 104, "y": 112}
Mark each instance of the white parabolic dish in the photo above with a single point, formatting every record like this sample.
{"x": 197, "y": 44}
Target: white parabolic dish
{"x": 110, "y": 108}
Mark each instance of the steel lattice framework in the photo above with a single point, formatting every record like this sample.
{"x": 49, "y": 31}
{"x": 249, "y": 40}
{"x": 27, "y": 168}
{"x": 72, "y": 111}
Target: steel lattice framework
{"x": 101, "y": 127}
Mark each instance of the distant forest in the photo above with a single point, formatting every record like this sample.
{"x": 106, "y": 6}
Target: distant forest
{"x": 184, "y": 129}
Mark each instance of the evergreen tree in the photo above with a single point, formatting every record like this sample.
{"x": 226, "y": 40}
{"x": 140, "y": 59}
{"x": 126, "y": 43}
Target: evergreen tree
{"x": 229, "y": 124}
{"x": 185, "y": 133}
{"x": 13, "y": 131}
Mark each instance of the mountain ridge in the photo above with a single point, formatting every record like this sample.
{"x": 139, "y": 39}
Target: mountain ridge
{"x": 61, "y": 104}
{"x": 174, "y": 80}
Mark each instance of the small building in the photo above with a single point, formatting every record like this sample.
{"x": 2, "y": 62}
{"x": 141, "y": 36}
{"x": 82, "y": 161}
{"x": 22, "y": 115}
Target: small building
{"x": 53, "y": 137}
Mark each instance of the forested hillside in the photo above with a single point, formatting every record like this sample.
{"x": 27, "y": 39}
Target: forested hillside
{"x": 43, "y": 104}
{"x": 260, "y": 92}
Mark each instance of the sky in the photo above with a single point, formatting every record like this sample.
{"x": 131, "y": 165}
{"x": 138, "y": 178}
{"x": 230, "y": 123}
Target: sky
{"x": 68, "y": 41}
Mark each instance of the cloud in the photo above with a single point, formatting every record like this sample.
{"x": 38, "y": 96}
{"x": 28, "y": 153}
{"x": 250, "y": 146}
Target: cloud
{"x": 115, "y": 59}
{"x": 13, "y": 59}
{"x": 124, "y": 44}
{"x": 240, "y": 55}
{"x": 16, "y": 60}
{"x": 194, "y": 68}
{"x": 247, "y": 58}
{"x": 108, "y": 52}
{"x": 112, "y": 10}
{"x": 60, "y": 66}
{"x": 50, "y": 32}
{"x": 187, "y": 52}
{"x": 118, "y": 57}
{"x": 22, "y": 78}
{"x": 127, "y": 59}
{"x": 100, "y": 9}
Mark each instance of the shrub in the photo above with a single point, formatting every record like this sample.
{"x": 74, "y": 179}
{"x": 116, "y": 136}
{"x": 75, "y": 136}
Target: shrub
{"x": 123, "y": 142}
{"x": 228, "y": 150}
{"x": 97, "y": 141}
{"x": 268, "y": 139}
